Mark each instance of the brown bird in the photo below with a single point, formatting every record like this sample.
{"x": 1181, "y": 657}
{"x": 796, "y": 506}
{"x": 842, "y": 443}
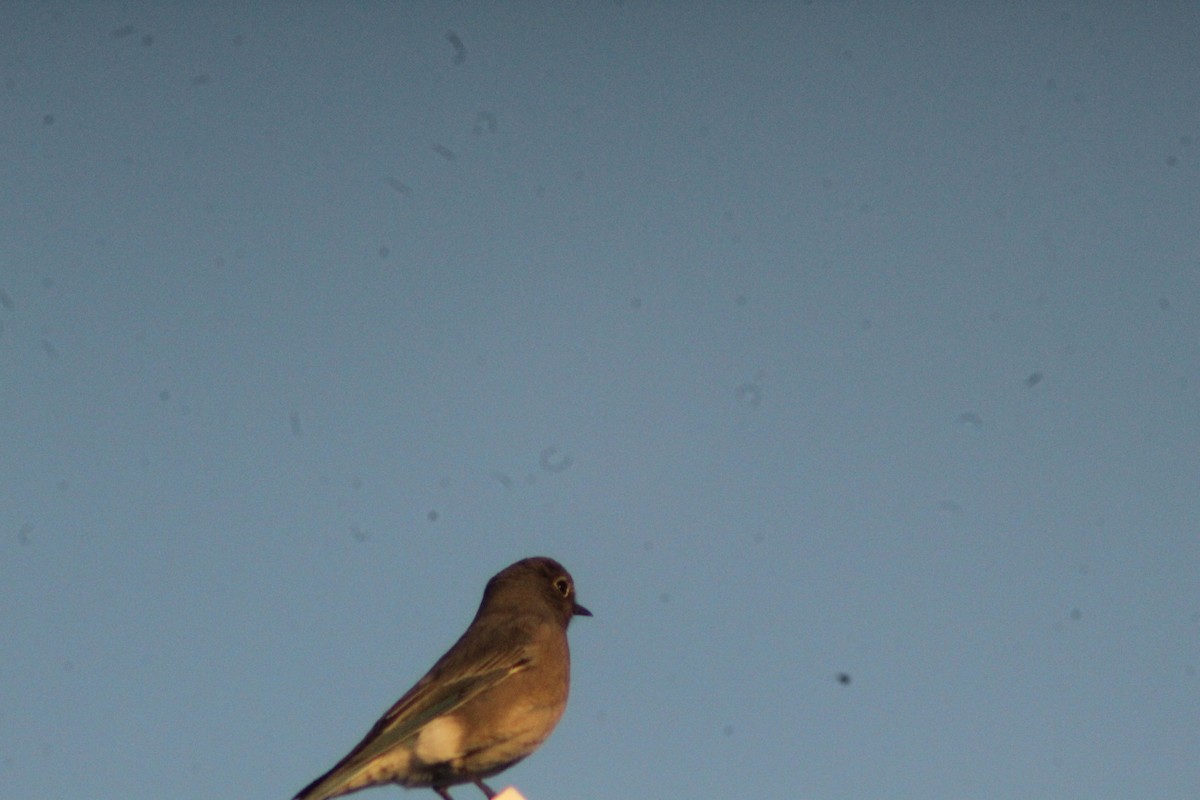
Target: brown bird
{"x": 486, "y": 704}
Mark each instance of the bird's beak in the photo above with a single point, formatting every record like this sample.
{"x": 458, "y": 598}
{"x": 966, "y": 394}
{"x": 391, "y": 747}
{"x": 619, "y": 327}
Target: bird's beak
{"x": 579, "y": 611}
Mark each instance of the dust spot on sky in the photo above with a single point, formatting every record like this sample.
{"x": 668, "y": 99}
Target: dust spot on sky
{"x": 1034, "y": 379}
{"x": 551, "y": 460}
{"x": 485, "y": 121}
{"x": 750, "y": 394}
{"x": 400, "y": 186}
{"x": 971, "y": 418}
{"x": 122, "y": 32}
{"x": 460, "y": 49}
{"x": 444, "y": 152}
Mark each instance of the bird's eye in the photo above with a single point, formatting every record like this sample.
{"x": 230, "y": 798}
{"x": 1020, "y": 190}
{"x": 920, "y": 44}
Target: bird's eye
{"x": 563, "y": 586}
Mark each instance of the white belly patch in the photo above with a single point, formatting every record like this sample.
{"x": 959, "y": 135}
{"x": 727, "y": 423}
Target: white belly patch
{"x": 440, "y": 740}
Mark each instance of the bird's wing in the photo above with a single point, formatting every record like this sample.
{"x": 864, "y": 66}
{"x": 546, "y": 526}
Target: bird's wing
{"x": 439, "y": 692}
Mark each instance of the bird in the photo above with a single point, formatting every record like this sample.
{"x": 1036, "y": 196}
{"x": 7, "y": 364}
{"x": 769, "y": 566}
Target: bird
{"x": 487, "y": 703}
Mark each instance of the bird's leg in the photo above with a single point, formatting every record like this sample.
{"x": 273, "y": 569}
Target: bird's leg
{"x": 487, "y": 790}
{"x": 445, "y": 795}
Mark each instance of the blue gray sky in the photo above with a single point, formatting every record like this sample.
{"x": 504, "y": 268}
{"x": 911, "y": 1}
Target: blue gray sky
{"x": 816, "y": 339}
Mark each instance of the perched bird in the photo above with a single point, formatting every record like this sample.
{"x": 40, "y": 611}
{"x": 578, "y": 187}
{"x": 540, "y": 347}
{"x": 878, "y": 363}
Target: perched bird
{"x": 487, "y": 703}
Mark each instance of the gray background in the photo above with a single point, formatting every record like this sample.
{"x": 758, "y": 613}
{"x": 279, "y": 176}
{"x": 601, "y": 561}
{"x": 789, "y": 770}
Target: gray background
{"x": 813, "y": 338}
